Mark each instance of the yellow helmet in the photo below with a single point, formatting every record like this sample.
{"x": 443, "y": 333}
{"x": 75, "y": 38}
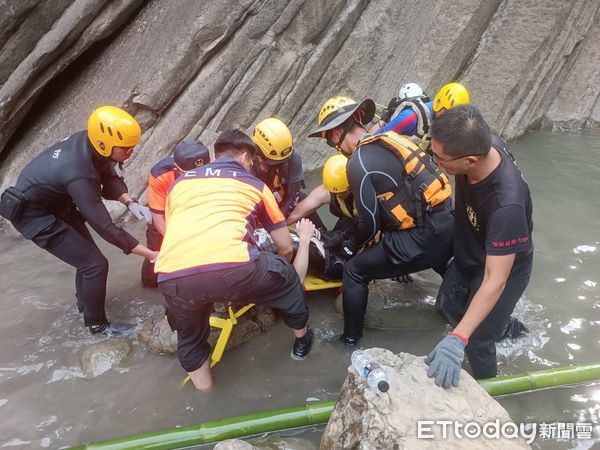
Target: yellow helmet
{"x": 274, "y": 140}
{"x": 452, "y": 94}
{"x": 109, "y": 126}
{"x": 336, "y": 110}
{"x": 335, "y": 179}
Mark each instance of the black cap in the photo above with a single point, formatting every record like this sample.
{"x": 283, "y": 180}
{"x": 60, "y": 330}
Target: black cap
{"x": 189, "y": 153}
{"x": 383, "y": 386}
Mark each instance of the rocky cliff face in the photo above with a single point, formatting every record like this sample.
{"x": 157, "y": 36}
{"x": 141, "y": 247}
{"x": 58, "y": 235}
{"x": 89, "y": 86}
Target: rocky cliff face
{"x": 190, "y": 68}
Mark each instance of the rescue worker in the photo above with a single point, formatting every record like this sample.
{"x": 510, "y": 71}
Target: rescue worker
{"x": 415, "y": 114}
{"x": 334, "y": 191}
{"x": 493, "y": 249}
{"x": 188, "y": 154}
{"x": 209, "y": 255}
{"x": 279, "y": 165}
{"x": 62, "y": 188}
{"x": 399, "y": 191}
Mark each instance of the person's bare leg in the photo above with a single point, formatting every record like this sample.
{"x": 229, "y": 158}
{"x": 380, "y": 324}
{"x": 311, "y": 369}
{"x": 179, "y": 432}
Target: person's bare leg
{"x": 202, "y": 377}
{"x": 298, "y": 333}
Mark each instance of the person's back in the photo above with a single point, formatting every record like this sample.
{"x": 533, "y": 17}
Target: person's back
{"x": 46, "y": 178}
{"x": 209, "y": 253}
{"x": 209, "y": 214}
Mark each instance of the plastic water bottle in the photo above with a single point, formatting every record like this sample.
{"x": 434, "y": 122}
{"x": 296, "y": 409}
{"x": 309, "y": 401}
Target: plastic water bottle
{"x": 368, "y": 368}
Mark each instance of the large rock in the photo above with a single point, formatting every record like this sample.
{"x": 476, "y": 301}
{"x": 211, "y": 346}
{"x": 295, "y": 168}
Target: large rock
{"x": 103, "y": 356}
{"x": 232, "y": 63}
{"x": 368, "y": 419}
{"x": 400, "y": 305}
{"x": 157, "y": 336}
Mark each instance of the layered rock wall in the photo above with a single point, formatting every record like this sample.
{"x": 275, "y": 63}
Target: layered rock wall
{"x": 190, "y": 68}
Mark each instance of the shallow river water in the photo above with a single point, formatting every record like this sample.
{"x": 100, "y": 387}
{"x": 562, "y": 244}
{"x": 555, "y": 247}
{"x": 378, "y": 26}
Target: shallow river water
{"x": 45, "y": 401}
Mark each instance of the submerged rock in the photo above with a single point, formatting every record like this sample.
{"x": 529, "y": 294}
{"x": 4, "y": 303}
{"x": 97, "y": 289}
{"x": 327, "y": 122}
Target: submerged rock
{"x": 367, "y": 419}
{"x": 282, "y": 443}
{"x": 157, "y": 336}
{"x": 103, "y": 356}
{"x": 393, "y": 304}
{"x": 267, "y": 443}
{"x": 234, "y": 444}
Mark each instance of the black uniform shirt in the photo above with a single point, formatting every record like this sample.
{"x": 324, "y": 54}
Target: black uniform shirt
{"x": 493, "y": 217}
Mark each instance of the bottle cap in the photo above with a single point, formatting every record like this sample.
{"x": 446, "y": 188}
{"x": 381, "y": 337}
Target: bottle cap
{"x": 383, "y": 386}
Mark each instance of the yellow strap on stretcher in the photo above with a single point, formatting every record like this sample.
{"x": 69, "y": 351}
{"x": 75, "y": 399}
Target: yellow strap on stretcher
{"x": 312, "y": 283}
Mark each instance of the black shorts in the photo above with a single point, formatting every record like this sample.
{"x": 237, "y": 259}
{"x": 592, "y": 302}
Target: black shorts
{"x": 270, "y": 280}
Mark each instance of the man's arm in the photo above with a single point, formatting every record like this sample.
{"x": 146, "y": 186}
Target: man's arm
{"x": 159, "y": 222}
{"x": 404, "y": 123}
{"x": 86, "y": 195}
{"x": 282, "y": 238}
{"x": 366, "y": 223}
{"x": 318, "y": 197}
{"x": 497, "y": 270}
{"x": 305, "y": 230}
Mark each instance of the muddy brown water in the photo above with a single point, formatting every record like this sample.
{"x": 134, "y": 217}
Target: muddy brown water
{"x": 46, "y": 403}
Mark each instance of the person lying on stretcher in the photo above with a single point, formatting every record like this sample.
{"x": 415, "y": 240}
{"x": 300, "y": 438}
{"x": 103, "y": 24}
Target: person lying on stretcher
{"x": 311, "y": 252}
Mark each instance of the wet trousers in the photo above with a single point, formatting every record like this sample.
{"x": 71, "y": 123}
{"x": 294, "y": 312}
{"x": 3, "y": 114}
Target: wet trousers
{"x": 153, "y": 242}
{"x": 398, "y": 253}
{"x": 455, "y": 296}
{"x": 69, "y": 239}
{"x": 270, "y": 281}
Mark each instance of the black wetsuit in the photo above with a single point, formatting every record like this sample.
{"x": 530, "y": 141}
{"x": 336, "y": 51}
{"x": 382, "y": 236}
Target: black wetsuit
{"x": 493, "y": 217}
{"x": 64, "y": 186}
{"x": 374, "y": 170}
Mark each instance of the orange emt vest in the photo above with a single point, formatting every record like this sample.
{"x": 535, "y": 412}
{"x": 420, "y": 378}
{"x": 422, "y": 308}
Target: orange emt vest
{"x": 211, "y": 213}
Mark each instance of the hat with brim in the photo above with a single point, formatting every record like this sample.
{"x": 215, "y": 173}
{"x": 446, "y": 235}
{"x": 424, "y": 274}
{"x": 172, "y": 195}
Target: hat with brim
{"x": 337, "y": 118}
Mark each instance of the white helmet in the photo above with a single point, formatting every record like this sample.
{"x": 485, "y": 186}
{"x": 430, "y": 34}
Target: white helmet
{"x": 410, "y": 90}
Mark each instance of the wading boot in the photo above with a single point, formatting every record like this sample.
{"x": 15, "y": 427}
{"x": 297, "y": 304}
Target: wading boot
{"x": 302, "y": 346}
{"x": 113, "y": 329}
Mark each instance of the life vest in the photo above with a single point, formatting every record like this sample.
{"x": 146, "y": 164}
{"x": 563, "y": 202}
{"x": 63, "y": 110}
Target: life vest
{"x": 279, "y": 182}
{"x": 425, "y": 185}
{"x": 419, "y": 107}
{"x": 342, "y": 207}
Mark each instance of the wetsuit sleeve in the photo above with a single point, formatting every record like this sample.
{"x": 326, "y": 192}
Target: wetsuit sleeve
{"x": 85, "y": 194}
{"x": 295, "y": 184}
{"x": 295, "y": 170}
{"x": 366, "y": 224}
{"x": 507, "y": 231}
{"x": 269, "y": 213}
{"x": 291, "y": 198}
{"x": 404, "y": 123}
{"x": 113, "y": 185}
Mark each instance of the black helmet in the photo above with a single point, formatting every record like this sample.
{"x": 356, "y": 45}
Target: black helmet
{"x": 190, "y": 153}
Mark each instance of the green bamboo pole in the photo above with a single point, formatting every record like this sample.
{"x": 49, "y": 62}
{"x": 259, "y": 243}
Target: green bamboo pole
{"x": 541, "y": 379}
{"x": 319, "y": 412}
{"x": 219, "y": 430}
